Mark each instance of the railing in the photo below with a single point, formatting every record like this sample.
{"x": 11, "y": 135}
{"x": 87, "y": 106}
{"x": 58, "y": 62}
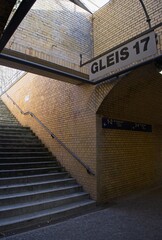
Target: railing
{"x": 88, "y": 169}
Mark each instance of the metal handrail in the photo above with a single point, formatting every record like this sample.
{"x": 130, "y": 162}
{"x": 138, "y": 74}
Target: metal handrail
{"x": 88, "y": 169}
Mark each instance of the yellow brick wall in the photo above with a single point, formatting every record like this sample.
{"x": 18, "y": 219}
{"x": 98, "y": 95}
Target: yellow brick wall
{"x": 130, "y": 160}
{"x": 123, "y": 160}
{"x": 119, "y": 21}
{"x": 55, "y": 31}
{"x": 62, "y": 107}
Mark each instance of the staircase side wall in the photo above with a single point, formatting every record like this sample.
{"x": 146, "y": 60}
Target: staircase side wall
{"x": 63, "y": 108}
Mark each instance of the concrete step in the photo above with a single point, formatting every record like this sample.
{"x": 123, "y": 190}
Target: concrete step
{"x": 11, "y": 144}
{"x": 7, "y": 119}
{"x": 39, "y": 205}
{"x": 23, "y": 149}
{"x": 30, "y": 187}
{"x": 9, "y": 123}
{"x": 34, "y": 188}
{"x": 29, "y": 171}
{"x": 3, "y": 108}
{"x": 22, "y": 140}
{"x": 16, "y": 127}
{"x": 13, "y": 131}
{"x": 22, "y": 197}
{"x": 19, "y": 160}
{"x": 56, "y": 213}
{"x": 27, "y": 165}
{"x": 33, "y": 178}
{"x": 4, "y": 114}
{"x": 23, "y": 154}
{"x": 15, "y": 137}
{"x": 16, "y": 133}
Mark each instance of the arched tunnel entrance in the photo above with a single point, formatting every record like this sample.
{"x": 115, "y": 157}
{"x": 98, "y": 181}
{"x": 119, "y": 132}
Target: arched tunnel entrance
{"x": 129, "y": 160}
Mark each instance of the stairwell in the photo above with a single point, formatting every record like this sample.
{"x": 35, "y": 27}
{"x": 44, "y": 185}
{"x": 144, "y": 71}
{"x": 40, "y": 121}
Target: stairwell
{"x": 34, "y": 188}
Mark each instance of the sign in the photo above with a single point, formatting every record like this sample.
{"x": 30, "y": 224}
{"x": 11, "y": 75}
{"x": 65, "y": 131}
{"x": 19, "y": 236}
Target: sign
{"x": 125, "y": 125}
{"x": 129, "y": 53}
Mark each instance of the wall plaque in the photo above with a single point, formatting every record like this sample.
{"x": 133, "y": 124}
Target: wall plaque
{"x": 125, "y": 125}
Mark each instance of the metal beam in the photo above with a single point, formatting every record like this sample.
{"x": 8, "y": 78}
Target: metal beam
{"x": 6, "y": 7}
{"x": 17, "y": 18}
{"x": 67, "y": 76}
{"x": 80, "y": 4}
{"x": 41, "y": 69}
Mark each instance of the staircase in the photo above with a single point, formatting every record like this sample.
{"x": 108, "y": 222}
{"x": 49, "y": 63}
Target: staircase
{"x": 34, "y": 188}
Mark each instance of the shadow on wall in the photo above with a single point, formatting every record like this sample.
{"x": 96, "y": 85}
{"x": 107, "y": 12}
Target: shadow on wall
{"x": 130, "y": 160}
{"x": 56, "y": 28}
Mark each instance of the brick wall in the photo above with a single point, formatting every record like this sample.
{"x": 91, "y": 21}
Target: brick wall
{"x": 56, "y": 31}
{"x": 127, "y": 160}
{"x": 122, "y": 160}
{"x": 130, "y": 160}
{"x": 62, "y": 107}
{"x": 118, "y": 21}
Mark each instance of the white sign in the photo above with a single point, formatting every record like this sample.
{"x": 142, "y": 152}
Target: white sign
{"x": 129, "y": 53}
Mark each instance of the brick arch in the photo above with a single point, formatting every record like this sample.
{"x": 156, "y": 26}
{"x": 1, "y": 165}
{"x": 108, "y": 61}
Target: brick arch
{"x": 98, "y": 95}
{"x": 134, "y": 97}
{"x": 129, "y": 160}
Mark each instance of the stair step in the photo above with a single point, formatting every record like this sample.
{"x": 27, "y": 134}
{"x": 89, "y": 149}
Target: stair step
{"x": 16, "y": 188}
{"x": 8, "y": 120}
{"x": 9, "y": 123}
{"x": 25, "y": 165}
{"x": 26, "y": 159}
{"x": 28, "y": 196}
{"x": 23, "y": 154}
{"x": 29, "y": 171}
{"x": 6, "y": 145}
{"x": 22, "y": 149}
{"x": 5, "y": 114}
{"x": 21, "y": 140}
{"x": 15, "y": 132}
{"x": 15, "y": 137}
{"x": 34, "y": 188}
{"x": 16, "y": 127}
{"x": 39, "y": 205}
{"x": 57, "y": 213}
{"x": 33, "y": 178}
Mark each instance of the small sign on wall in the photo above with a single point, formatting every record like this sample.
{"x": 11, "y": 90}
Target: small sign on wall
{"x": 136, "y": 50}
{"x": 125, "y": 125}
